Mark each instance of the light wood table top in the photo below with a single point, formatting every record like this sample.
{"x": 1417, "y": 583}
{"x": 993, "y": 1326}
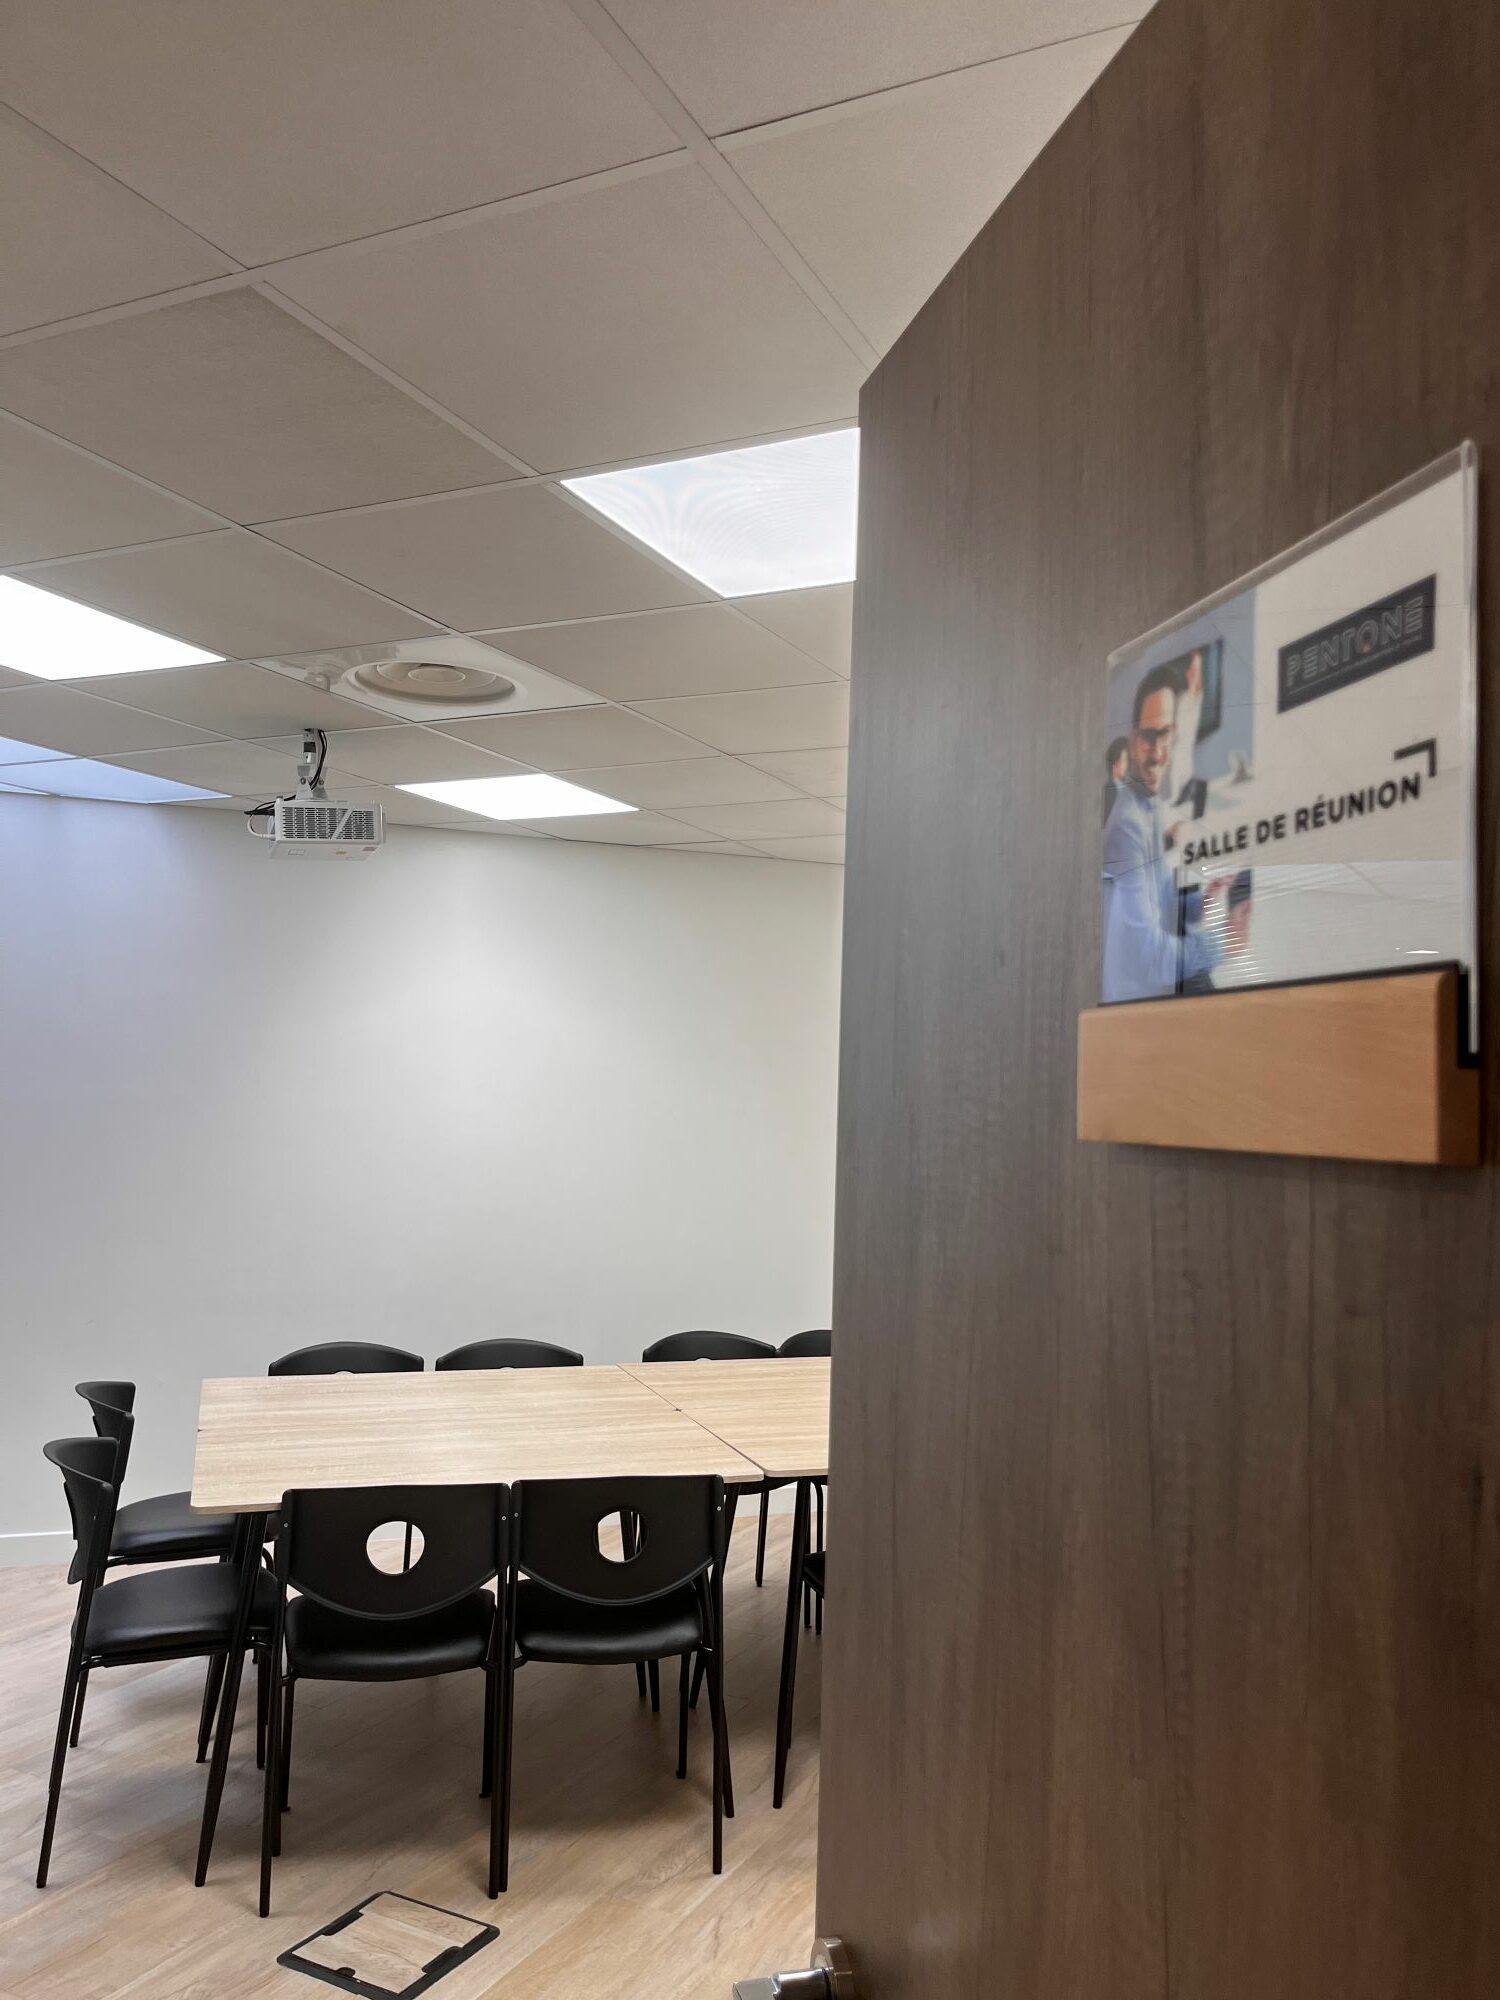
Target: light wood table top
{"x": 774, "y": 1412}
{"x": 264, "y": 1435}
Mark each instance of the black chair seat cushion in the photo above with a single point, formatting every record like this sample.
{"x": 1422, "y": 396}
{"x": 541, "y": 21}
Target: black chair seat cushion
{"x": 165, "y": 1529}
{"x": 812, "y": 1570}
{"x": 327, "y": 1645}
{"x": 182, "y": 1611}
{"x": 550, "y": 1626}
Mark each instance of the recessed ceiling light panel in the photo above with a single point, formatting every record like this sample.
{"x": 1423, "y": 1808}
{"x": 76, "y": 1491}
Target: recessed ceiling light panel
{"x": 528, "y": 797}
{"x": 58, "y": 640}
{"x": 84, "y": 778}
{"x": 769, "y": 517}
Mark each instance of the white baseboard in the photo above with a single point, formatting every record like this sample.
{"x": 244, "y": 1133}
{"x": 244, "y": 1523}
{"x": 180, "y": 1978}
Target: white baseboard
{"x": 28, "y": 1551}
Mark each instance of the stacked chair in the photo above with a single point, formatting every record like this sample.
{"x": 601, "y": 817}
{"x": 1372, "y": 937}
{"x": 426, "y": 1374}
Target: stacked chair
{"x": 181, "y": 1612}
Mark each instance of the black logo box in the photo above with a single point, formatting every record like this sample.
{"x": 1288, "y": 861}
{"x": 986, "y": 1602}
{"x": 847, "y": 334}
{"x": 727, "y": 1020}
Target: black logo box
{"x": 1369, "y": 640}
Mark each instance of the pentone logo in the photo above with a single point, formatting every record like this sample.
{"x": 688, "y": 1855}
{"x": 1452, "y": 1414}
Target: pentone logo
{"x": 1379, "y": 635}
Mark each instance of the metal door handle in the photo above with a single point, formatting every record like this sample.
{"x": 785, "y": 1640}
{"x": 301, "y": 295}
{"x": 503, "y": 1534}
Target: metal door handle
{"x": 829, "y": 1977}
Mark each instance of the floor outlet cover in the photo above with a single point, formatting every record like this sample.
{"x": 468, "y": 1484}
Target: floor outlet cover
{"x": 389, "y": 1947}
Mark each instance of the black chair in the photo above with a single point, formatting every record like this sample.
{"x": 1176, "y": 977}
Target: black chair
{"x": 815, "y": 1344}
{"x": 354, "y": 1621}
{"x": 182, "y": 1613}
{"x": 163, "y": 1528}
{"x": 510, "y": 1354}
{"x": 806, "y": 1575}
{"x": 705, "y": 1346}
{"x": 576, "y": 1606}
{"x": 347, "y": 1357}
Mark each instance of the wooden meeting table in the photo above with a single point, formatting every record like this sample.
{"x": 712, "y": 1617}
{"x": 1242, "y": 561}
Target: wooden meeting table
{"x": 265, "y": 1435}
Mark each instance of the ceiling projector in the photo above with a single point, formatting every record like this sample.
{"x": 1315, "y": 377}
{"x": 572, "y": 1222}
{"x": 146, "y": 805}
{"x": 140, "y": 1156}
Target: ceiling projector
{"x": 308, "y": 821}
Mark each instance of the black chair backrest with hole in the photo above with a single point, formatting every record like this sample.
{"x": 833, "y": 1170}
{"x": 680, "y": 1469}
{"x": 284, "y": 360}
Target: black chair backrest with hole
{"x": 87, "y": 1465}
{"x": 815, "y": 1344}
{"x": 322, "y": 1549}
{"x": 347, "y": 1357}
{"x": 679, "y": 1535}
{"x": 509, "y": 1354}
{"x": 704, "y": 1346}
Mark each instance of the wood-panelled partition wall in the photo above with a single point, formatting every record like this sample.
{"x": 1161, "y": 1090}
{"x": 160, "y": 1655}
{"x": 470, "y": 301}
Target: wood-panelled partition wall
{"x": 1164, "y": 1632}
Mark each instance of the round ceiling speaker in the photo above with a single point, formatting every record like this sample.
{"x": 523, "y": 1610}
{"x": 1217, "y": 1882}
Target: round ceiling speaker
{"x": 432, "y": 680}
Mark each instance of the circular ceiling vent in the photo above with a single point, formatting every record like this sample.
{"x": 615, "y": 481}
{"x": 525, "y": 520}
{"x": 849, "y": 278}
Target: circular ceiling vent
{"x": 436, "y": 681}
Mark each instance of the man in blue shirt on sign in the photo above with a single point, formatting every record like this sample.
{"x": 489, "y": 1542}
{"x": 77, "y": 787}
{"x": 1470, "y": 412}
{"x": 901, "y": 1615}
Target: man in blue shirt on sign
{"x": 1152, "y": 945}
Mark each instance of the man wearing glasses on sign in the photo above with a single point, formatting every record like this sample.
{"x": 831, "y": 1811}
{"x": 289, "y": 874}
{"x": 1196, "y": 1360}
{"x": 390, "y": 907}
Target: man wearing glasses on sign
{"x": 1152, "y": 941}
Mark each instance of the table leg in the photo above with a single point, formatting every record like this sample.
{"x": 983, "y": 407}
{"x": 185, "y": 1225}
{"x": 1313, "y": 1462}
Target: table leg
{"x": 250, "y": 1534}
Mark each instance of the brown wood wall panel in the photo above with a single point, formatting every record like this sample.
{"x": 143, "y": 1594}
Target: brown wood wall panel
{"x": 1164, "y": 1636}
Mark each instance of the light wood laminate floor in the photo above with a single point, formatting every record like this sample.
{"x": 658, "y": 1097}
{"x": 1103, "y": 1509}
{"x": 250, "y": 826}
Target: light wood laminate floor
{"x": 611, "y": 1896}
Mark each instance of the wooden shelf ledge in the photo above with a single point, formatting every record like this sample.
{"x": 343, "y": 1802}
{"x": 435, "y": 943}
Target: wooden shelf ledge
{"x": 1352, "y": 1069}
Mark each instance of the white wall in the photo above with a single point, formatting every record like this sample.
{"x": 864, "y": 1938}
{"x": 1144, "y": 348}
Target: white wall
{"x": 470, "y": 1085}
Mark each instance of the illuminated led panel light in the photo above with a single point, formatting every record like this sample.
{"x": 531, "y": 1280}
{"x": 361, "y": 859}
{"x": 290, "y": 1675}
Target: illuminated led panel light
{"x": 57, "y": 640}
{"x": 768, "y": 517}
{"x": 517, "y": 798}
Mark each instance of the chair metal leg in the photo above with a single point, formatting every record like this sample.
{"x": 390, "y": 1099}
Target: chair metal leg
{"x": 213, "y": 1681}
{"x": 59, "y": 1756}
{"x": 262, "y": 1703}
{"x": 698, "y": 1673}
{"x": 270, "y": 1801}
{"x": 640, "y": 1679}
{"x": 83, "y": 1688}
{"x": 250, "y": 1536}
{"x": 718, "y": 1782}
{"x": 683, "y": 1677}
{"x": 500, "y": 1849}
{"x": 492, "y": 1786}
{"x": 794, "y": 1596}
{"x": 487, "y": 1755}
{"x": 286, "y": 1747}
{"x": 760, "y": 1538}
{"x": 653, "y": 1678}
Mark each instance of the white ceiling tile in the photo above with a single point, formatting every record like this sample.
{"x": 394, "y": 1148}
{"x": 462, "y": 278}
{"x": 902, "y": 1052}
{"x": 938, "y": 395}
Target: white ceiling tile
{"x": 776, "y": 819}
{"x": 55, "y": 501}
{"x": 60, "y": 718}
{"x": 481, "y": 560}
{"x": 278, "y": 126}
{"x": 718, "y": 847}
{"x": 701, "y": 649}
{"x": 231, "y": 593}
{"x": 819, "y": 621}
{"x": 570, "y": 739}
{"x": 243, "y": 770}
{"x": 687, "y": 781}
{"x": 237, "y": 699}
{"x": 233, "y": 403}
{"x": 823, "y": 773}
{"x": 618, "y": 322}
{"x": 406, "y": 755}
{"x": 620, "y": 829}
{"x": 882, "y": 197}
{"x": 734, "y": 65}
{"x": 796, "y": 718}
{"x": 72, "y": 239}
{"x": 819, "y": 847}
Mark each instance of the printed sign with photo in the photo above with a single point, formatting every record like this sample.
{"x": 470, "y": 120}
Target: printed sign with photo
{"x": 1289, "y": 767}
